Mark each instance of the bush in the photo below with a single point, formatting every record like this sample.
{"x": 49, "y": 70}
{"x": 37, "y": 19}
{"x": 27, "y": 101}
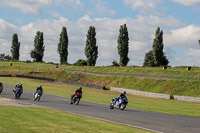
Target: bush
{"x": 50, "y": 63}
{"x": 115, "y": 63}
{"x": 80, "y": 63}
{"x": 28, "y": 61}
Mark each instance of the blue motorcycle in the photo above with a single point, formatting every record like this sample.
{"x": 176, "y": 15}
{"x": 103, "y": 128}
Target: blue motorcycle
{"x": 121, "y": 103}
{"x": 17, "y": 93}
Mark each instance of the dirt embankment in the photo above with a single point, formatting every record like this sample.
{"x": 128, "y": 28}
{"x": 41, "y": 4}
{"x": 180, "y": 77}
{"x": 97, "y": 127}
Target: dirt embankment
{"x": 10, "y": 102}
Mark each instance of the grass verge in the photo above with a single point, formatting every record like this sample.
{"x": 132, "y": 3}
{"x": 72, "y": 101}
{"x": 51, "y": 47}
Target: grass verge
{"x": 104, "y": 97}
{"x": 32, "y": 120}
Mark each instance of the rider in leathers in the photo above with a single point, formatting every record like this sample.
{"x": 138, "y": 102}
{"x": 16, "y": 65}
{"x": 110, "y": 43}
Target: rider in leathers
{"x": 79, "y": 90}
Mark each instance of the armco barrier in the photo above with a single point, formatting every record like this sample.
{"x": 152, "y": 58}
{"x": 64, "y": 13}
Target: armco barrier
{"x": 141, "y": 93}
{"x": 65, "y": 81}
{"x": 186, "y": 98}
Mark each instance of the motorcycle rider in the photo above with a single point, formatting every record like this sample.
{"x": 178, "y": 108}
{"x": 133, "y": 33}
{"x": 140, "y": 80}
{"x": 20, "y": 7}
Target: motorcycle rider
{"x": 79, "y": 90}
{"x": 39, "y": 88}
{"x": 19, "y": 85}
{"x": 122, "y": 96}
{"x": 1, "y": 87}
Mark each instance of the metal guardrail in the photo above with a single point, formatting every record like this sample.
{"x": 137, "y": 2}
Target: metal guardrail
{"x": 142, "y": 93}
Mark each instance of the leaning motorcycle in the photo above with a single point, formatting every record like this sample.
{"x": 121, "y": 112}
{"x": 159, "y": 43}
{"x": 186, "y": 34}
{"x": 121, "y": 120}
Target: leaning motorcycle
{"x": 75, "y": 99}
{"x": 17, "y": 93}
{"x": 37, "y": 95}
{"x": 121, "y": 103}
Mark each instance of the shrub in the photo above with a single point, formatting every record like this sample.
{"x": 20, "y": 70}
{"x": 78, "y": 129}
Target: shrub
{"x": 115, "y": 63}
{"x": 28, "y": 61}
{"x": 80, "y": 62}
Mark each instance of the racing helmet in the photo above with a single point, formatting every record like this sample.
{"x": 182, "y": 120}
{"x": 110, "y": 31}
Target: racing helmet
{"x": 124, "y": 92}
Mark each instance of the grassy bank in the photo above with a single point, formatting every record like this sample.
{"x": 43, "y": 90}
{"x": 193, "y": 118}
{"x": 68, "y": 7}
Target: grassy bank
{"x": 154, "y": 83}
{"x": 31, "y": 120}
{"x": 104, "y": 97}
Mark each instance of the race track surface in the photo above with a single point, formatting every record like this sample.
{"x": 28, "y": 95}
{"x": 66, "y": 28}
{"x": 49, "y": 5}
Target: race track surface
{"x": 156, "y": 122}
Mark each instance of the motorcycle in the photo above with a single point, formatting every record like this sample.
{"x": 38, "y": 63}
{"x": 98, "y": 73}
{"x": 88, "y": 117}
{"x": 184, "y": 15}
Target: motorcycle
{"x": 37, "y": 95}
{"x": 121, "y": 103}
{"x": 17, "y": 93}
{"x": 75, "y": 99}
{"x": 1, "y": 87}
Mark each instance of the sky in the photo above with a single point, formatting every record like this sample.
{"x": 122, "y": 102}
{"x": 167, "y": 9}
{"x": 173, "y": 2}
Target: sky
{"x": 179, "y": 20}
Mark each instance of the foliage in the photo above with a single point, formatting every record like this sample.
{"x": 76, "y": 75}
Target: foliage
{"x": 91, "y": 49}
{"x": 15, "y": 47}
{"x": 4, "y": 57}
{"x": 158, "y": 54}
{"x": 63, "y": 46}
{"x": 115, "y": 63}
{"x": 149, "y": 59}
{"x": 38, "y": 52}
{"x": 80, "y": 63}
{"x": 28, "y": 61}
{"x": 123, "y": 45}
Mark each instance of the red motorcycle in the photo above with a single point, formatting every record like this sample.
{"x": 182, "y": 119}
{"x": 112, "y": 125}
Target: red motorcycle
{"x": 75, "y": 99}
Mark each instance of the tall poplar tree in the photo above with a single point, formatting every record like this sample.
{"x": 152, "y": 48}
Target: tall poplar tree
{"x": 38, "y": 52}
{"x": 91, "y": 49}
{"x": 63, "y": 46}
{"x": 123, "y": 45}
{"x": 15, "y": 47}
{"x": 158, "y": 54}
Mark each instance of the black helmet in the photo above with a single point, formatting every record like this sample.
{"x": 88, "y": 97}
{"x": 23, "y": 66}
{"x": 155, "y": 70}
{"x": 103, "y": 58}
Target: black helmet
{"x": 80, "y": 88}
{"x": 40, "y": 86}
{"x": 124, "y": 92}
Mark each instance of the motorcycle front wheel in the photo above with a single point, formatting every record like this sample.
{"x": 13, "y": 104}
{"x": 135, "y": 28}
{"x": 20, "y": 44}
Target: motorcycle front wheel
{"x": 76, "y": 101}
{"x": 122, "y": 106}
{"x": 111, "y": 106}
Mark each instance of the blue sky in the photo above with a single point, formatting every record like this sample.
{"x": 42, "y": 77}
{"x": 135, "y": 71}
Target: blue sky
{"x": 179, "y": 20}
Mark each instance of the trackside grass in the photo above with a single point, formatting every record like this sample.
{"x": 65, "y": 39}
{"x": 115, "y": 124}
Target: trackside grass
{"x": 43, "y": 120}
{"x": 173, "y": 81}
{"x": 104, "y": 97}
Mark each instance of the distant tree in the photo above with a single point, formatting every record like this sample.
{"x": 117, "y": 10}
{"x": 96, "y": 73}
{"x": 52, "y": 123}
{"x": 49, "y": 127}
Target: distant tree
{"x": 115, "y": 63}
{"x": 38, "y": 52}
{"x": 4, "y": 57}
{"x": 149, "y": 59}
{"x": 158, "y": 54}
{"x": 123, "y": 45}
{"x": 80, "y": 63}
{"x": 91, "y": 49}
{"x": 15, "y": 47}
{"x": 63, "y": 46}
{"x": 7, "y": 58}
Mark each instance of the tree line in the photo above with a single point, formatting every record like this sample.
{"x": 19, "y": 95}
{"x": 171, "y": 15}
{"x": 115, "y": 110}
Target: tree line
{"x": 155, "y": 57}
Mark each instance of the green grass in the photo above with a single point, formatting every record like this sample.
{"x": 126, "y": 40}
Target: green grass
{"x": 188, "y": 87}
{"x": 42, "y": 120}
{"x": 171, "y": 71}
{"x": 104, "y": 97}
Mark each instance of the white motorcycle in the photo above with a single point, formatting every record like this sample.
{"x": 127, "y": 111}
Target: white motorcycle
{"x": 37, "y": 95}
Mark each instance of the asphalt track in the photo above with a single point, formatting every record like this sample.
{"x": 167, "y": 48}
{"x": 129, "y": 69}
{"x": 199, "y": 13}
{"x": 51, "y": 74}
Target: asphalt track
{"x": 151, "y": 121}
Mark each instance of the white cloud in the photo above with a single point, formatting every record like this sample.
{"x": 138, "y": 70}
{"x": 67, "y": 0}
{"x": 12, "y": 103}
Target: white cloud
{"x": 187, "y": 36}
{"x": 143, "y": 6}
{"x": 188, "y": 58}
{"x": 34, "y": 6}
{"x": 141, "y": 34}
{"x": 188, "y": 2}
{"x": 26, "y": 6}
{"x": 101, "y": 9}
